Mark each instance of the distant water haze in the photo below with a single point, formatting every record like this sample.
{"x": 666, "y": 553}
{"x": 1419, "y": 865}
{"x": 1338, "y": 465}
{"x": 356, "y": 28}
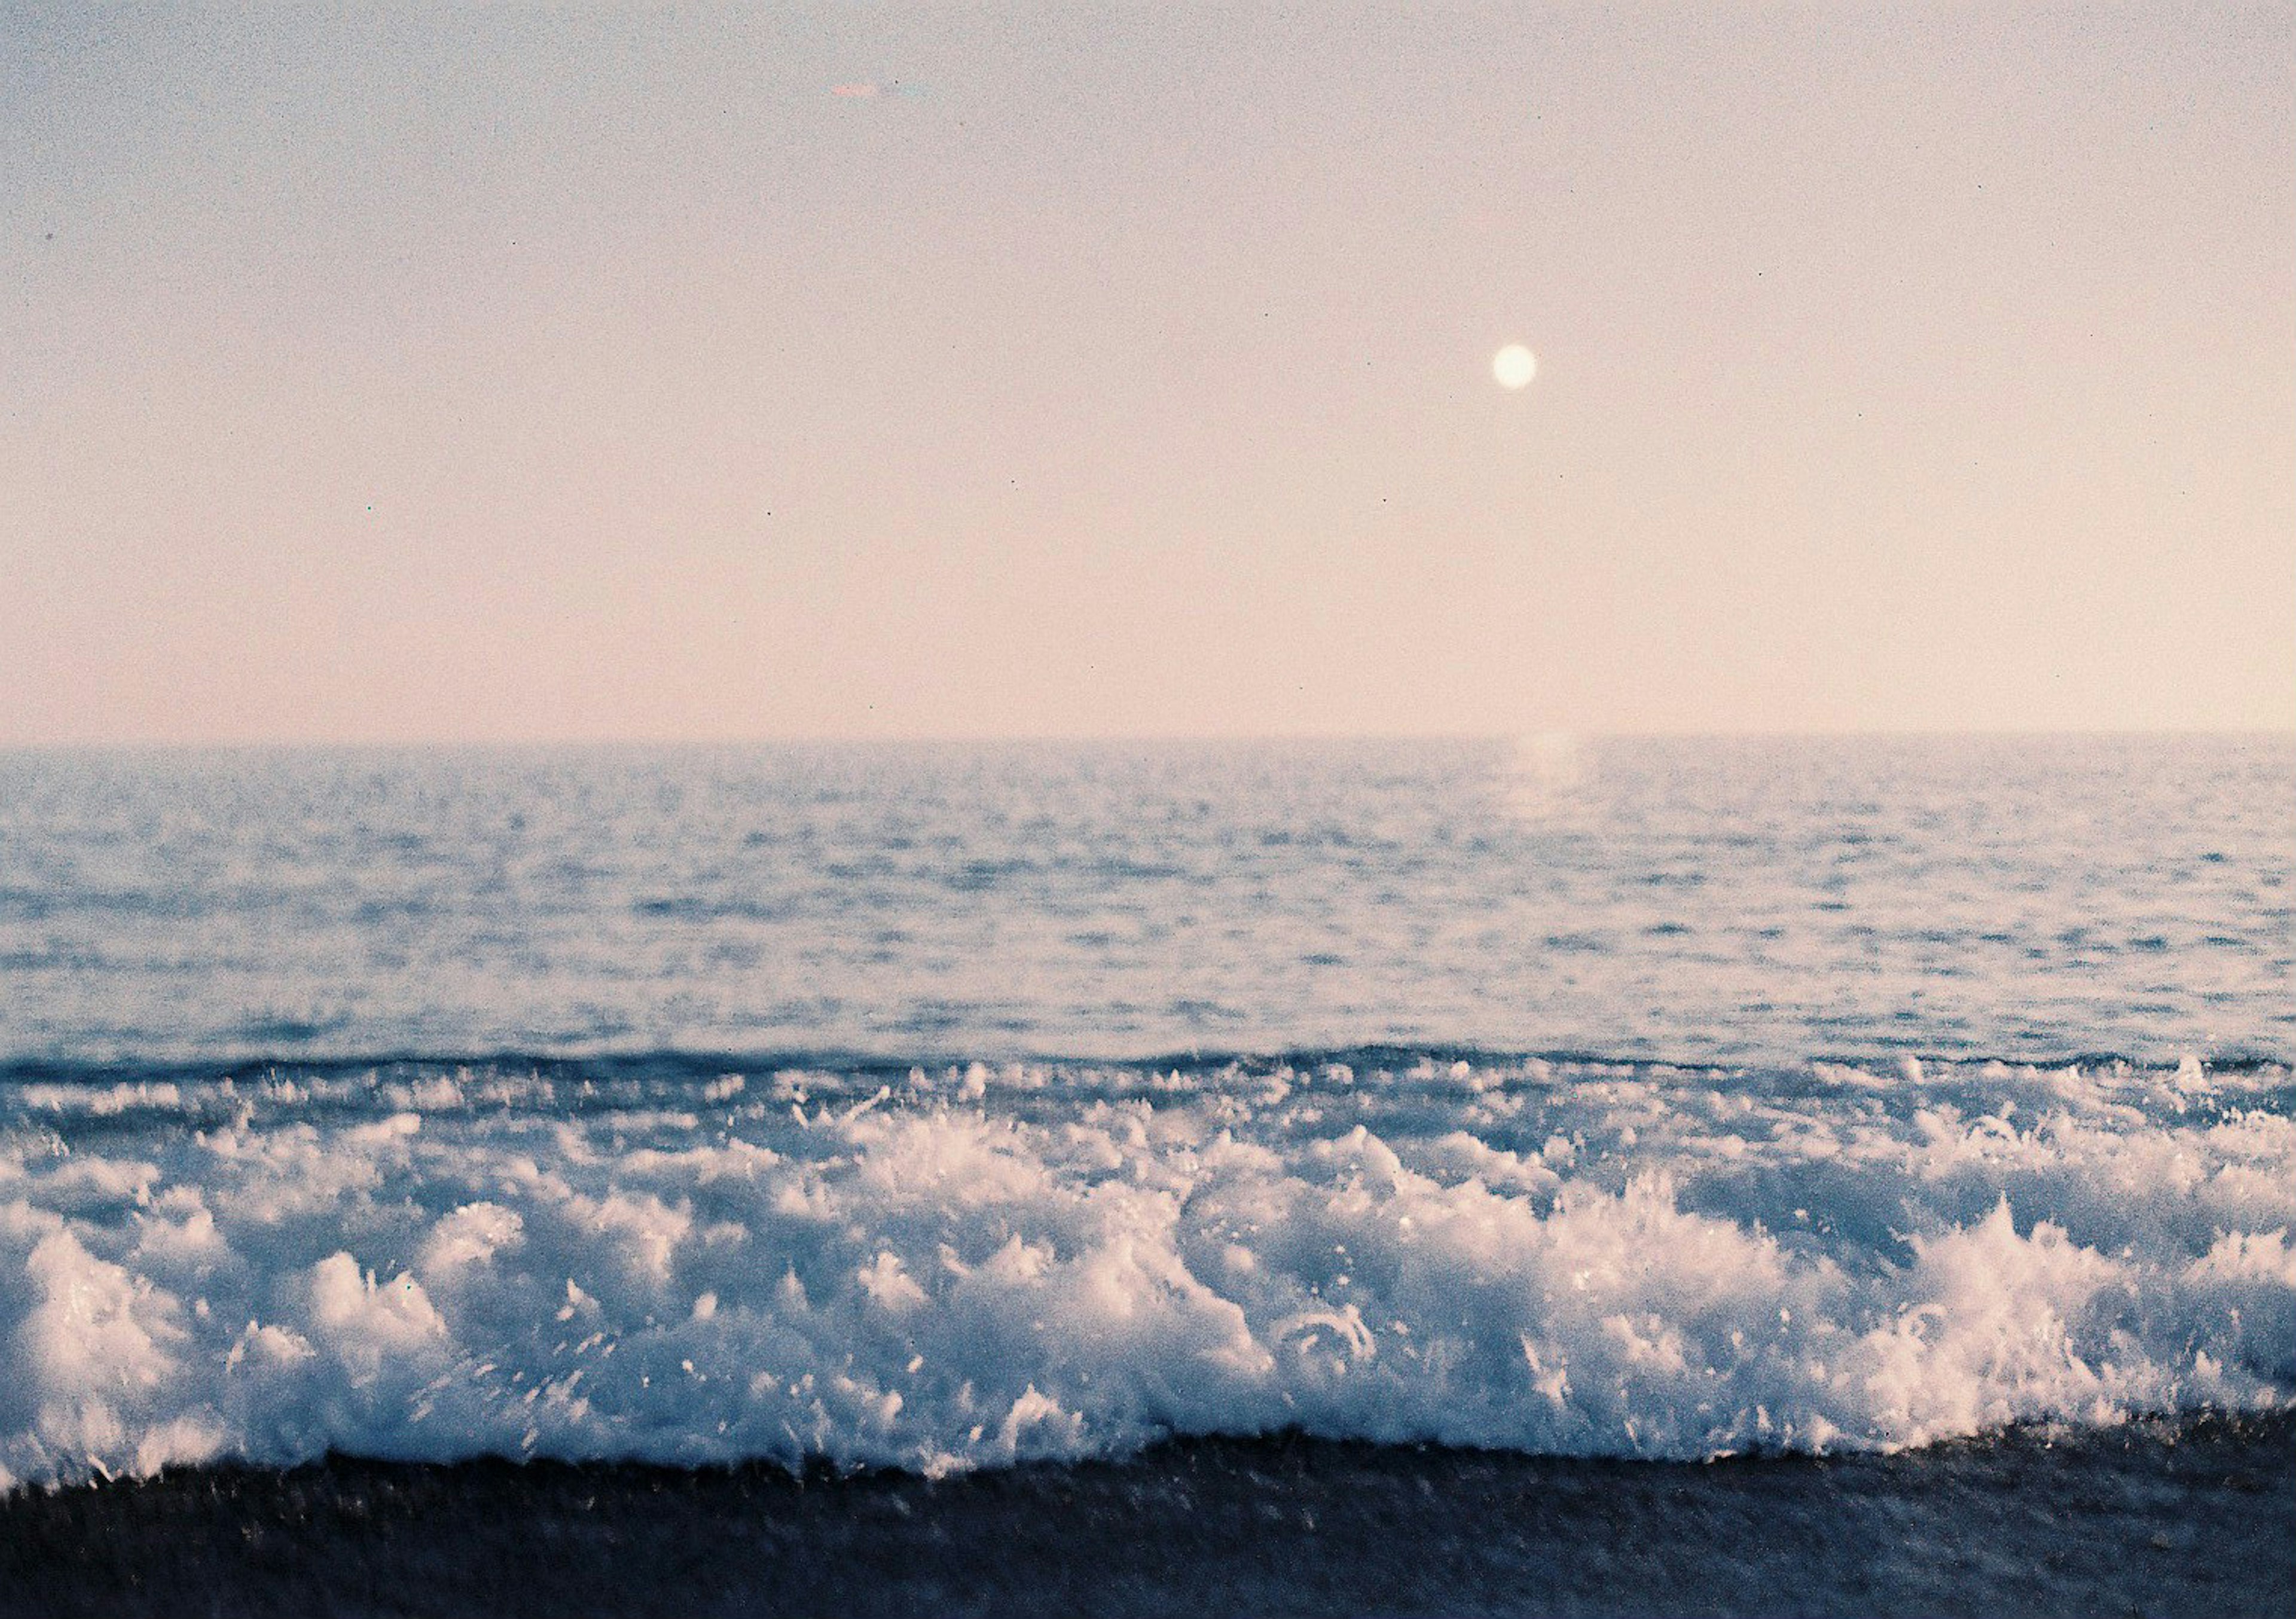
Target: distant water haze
{"x": 558, "y": 372}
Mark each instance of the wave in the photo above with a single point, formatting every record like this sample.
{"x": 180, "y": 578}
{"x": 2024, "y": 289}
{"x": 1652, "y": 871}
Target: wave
{"x": 692, "y": 1259}
{"x": 672, "y": 1065}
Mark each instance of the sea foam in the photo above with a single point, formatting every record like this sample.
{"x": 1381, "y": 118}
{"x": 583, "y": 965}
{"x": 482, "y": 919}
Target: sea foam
{"x": 960, "y": 1266}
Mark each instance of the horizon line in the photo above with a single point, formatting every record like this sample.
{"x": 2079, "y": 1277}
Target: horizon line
{"x": 609, "y": 741}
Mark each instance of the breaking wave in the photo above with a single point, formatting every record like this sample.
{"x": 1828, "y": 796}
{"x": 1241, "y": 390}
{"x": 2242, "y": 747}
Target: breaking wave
{"x": 946, "y": 1268}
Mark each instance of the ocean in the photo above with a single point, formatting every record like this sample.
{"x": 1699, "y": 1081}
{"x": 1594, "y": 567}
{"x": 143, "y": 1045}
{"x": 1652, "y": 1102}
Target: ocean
{"x": 1309, "y": 1155}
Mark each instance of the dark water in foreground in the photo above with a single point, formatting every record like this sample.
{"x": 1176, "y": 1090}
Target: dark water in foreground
{"x": 2148, "y": 1519}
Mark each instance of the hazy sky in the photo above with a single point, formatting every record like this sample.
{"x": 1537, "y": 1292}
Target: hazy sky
{"x": 550, "y": 371}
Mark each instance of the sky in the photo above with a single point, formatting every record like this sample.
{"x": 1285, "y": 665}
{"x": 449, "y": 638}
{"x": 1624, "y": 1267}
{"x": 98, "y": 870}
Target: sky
{"x": 534, "y": 373}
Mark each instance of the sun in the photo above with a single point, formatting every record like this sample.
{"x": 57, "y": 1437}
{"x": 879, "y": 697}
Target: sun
{"x": 1514, "y": 366}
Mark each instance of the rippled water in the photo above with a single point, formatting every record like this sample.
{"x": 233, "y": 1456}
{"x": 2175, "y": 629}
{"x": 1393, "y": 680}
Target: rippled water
{"x": 2030, "y": 899}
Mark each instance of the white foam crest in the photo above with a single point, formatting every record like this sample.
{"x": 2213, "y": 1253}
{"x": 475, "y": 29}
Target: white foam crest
{"x": 1585, "y": 1260}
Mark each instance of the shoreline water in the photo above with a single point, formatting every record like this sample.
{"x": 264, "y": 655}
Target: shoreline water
{"x": 2154, "y": 1516}
{"x": 1552, "y": 1161}
{"x": 971, "y": 1269}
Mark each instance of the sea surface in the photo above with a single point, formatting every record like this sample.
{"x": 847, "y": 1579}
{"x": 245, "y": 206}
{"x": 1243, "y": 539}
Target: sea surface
{"x": 963, "y": 1111}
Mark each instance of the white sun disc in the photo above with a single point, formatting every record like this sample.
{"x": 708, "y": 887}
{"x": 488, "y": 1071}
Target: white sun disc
{"x": 1513, "y": 366}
